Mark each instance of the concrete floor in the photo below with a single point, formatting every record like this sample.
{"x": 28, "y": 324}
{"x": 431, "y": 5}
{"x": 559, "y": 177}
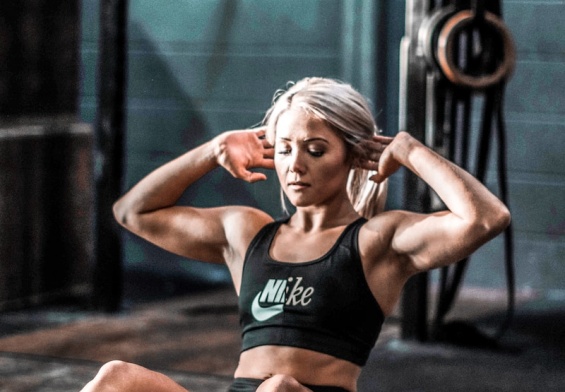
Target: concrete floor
{"x": 195, "y": 339}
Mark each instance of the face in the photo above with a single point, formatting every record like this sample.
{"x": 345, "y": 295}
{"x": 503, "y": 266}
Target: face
{"x": 311, "y": 160}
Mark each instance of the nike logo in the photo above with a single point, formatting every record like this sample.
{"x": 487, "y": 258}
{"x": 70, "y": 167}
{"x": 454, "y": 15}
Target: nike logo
{"x": 261, "y": 313}
{"x": 277, "y": 293}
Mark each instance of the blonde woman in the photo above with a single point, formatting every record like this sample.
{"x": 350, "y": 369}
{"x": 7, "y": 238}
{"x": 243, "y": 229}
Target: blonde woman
{"x": 314, "y": 287}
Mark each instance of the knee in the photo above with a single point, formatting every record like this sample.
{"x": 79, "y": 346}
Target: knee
{"x": 112, "y": 376}
{"x": 282, "y": 383}
{"x": 115, "y": 370}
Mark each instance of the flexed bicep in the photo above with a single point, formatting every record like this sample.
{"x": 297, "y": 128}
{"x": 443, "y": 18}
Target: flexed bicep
{"x": 428, "y": 241}
{"x": 217, "y": 235}
{"x": 150, "y": 208}
{"x": 472, "y": 217}
{"x": 190, "y": 232}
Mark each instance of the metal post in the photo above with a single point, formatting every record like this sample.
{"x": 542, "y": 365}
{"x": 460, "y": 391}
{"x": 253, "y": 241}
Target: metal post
{"x": 412, "y": 119}
{"x": 109, "y": 152}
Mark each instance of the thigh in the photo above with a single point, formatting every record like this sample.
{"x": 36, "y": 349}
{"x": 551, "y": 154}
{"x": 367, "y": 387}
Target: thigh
{"x": 126, "y": 377}
{"x": 151, "y": 381}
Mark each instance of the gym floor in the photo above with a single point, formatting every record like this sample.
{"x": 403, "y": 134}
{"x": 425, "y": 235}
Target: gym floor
{"x": 195, "y": 339}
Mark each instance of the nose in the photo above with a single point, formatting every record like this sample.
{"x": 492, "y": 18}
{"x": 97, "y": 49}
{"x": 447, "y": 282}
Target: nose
{"x": 296, "y": 164}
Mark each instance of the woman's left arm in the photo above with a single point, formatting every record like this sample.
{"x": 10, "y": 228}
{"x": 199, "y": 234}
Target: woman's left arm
{"x": 473, "y": 216}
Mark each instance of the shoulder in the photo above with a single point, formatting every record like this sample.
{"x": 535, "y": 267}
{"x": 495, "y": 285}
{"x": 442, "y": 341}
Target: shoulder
{"x": 241, "y": 224}
{"x": 377, "y": 239}
{"x": 244, "y": 221}
{"x": 380, "y": 229}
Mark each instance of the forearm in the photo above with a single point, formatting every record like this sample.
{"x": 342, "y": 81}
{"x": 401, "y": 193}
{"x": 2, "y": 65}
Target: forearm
{"x": 164, "y": 186}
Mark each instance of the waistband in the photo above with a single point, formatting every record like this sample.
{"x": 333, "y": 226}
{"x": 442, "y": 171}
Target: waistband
{"x": 242, "y": 384}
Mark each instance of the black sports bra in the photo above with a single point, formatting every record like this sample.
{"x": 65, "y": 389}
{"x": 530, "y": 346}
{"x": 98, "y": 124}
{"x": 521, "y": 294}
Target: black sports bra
{"x": 324, "y": 305}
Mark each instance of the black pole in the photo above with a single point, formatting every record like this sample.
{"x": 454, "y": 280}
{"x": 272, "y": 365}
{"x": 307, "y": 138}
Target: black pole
{"x": 108, "y": 158}
{"x": 416, "y": 196}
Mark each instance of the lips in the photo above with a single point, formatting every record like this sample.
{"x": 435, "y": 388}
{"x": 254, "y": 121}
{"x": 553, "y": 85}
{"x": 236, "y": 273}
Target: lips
{"x": 298, "y": 184}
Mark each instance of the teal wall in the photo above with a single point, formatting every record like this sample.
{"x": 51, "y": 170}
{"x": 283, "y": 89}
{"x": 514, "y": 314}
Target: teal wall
{"x": 198, "y": 67}
{"x": 535, "y": 122}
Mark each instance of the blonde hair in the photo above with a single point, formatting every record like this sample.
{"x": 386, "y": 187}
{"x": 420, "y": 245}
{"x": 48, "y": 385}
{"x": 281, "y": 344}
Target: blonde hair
{"x": 349, "y": 114}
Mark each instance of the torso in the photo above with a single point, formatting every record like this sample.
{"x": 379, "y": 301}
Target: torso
{"x": 380, "y": 264}
{"x": 261, "y": 362}
{"x": 265, "y": 361}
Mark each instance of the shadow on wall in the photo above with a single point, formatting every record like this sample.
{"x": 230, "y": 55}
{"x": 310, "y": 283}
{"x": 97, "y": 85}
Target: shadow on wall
{"x": 163, "y": 122}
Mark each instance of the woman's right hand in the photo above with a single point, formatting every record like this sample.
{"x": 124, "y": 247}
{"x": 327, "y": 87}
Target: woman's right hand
{"x": 240, "y": 151}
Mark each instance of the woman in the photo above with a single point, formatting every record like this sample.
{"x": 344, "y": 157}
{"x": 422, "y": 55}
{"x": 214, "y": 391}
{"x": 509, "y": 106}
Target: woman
{"x": 313, "y": 288}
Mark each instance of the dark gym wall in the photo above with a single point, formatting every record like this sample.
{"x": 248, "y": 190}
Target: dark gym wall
{"x": 45, "y": 165}
{"x": 535, "y": 125}
{"x": 200, "y": 67}
{"x": 197, "y": 68}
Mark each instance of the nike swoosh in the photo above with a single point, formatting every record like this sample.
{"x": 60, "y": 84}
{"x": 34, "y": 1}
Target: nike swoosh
{"x": 264, "y": 313}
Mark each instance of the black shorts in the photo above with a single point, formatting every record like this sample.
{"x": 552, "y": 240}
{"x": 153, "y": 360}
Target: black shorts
{"x": 251, "y": 385}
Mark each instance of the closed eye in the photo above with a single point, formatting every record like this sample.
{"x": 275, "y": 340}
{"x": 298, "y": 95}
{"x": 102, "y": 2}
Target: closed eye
{"x": 316, "y": 153}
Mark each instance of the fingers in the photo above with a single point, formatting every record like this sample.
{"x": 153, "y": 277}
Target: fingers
{"x": 369, "y": 165}
{"x": 372, "y": 150}
{"x": 377, "y": 178}
{"x": 383, "y": 138}
{"x": 375, "y": 153}
{"x": 248, "y": 176}
{"x": 268, "y": 163}
{"x": 254, "y": 177}
{"x": 261, "y": 132}
{"x": 267, "y": 147}
{"x": 243, "y": 172}
{"x": 269, "y": 154}
{"x": 380, "y": 142}
{"x": 377, "y": 158}
{"x": 268, "y": 150}
{"x": 248, "y": 150}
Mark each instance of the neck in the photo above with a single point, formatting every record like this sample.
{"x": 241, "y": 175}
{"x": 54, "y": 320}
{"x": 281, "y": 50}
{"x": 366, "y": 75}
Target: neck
{"x": 313, "y": 219}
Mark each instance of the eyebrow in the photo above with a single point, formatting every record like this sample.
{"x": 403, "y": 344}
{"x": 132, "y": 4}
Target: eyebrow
{"x": 307, "y": 140}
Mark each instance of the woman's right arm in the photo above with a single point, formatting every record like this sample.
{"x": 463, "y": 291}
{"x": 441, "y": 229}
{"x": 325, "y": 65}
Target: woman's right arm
{"x": 150, "y": 208}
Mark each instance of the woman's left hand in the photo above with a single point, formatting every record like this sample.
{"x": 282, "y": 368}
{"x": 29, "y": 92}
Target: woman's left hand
{"x": 377, "y": 157}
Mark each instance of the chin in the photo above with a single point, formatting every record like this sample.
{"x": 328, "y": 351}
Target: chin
{"x": 298, "y": 202}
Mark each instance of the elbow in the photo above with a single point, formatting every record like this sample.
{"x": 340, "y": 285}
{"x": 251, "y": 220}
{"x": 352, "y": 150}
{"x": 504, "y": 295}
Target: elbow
{"x": 118, "y": 212}
{"x": 495, "y": 222}
{"x": 506, "y": 218}
{"x": 121, "y": 213}
{"x": 501, "y": 220}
